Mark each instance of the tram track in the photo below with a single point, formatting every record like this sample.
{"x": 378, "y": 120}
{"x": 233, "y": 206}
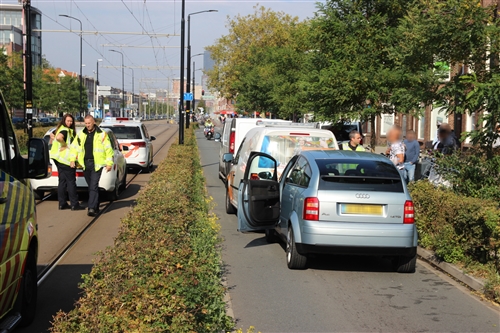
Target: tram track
{"x": 44, "y": 273}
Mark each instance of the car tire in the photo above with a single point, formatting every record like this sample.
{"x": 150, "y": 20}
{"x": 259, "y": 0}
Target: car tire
{"x": 271, "y": 236}
{"x": 230, "y": 209}
{"x": 38, "y": 194}
{"x": 27, "y": 297}
{"x": 406, "y": 264}
{"x": 294, "y": 259}
{"x": 123, "y": 185}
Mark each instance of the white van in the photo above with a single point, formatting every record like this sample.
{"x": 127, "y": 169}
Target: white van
{"x": 233, "y": 133}
{"x": 281, "y": 142}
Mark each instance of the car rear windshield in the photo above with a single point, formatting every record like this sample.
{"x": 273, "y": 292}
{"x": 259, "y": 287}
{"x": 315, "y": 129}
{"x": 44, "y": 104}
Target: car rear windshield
{"x": 358, "y": 175}
{"x": 125, "y": 132}
{"x": 341, "y": 132}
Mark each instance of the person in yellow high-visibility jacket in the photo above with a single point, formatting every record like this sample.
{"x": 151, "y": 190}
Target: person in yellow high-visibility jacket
{"x": 93, "y": 150}
{"x": 61, "y": 140}
{"x": 354, "y": 145}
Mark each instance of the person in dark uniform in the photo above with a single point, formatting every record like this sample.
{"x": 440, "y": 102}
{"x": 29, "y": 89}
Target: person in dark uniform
{"x": 93, "y": 149}
{"x": 61, "y": 140}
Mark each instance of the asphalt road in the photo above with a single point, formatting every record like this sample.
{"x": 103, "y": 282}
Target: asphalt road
{"x": 58, "y": 228}
{"x": 337, "y": 293}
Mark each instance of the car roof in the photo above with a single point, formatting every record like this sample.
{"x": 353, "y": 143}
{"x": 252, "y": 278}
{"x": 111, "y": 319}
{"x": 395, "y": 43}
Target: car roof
{"x": 343, "y": 154}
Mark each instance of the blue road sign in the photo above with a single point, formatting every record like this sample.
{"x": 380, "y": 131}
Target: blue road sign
{"x": 188, "y": 96}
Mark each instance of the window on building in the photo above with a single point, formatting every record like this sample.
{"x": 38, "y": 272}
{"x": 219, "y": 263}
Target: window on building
{"x": 387, "y": 122}
{"x": 421, "y": 128}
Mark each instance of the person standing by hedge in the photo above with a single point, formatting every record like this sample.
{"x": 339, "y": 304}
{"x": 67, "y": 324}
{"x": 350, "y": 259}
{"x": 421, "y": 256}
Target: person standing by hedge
{"x": 93, "y": 149}
{"x": 412, "y": 154}
{"x": 61, "y": 140}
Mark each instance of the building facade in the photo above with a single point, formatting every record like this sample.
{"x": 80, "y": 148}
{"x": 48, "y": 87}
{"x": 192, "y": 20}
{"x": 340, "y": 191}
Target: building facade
{"x": 11, "y": 31}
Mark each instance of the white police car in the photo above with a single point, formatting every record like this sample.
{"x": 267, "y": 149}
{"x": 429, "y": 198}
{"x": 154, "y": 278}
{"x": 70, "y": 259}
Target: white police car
{"x": 111, "y": 182}
{"x": 134, "y": 139}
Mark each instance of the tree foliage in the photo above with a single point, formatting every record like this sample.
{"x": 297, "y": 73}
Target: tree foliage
{"x": 358, "y": 59}
{"x": 51, "y": 93}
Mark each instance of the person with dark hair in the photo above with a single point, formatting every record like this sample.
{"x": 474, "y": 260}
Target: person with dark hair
{"x": 354, "y": 142}
{"x": 447, "y": 140}
{"x": 93, "y": 149}
{"x": 61, "y": 140}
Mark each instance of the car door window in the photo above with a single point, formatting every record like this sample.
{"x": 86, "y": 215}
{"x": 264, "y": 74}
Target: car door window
{"x": 237, "y": 157}
{"x": 300, "y": 174}
{"x": 146, "y": 134}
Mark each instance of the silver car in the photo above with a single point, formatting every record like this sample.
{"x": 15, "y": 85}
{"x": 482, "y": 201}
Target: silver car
{"x": 334, "y": 202}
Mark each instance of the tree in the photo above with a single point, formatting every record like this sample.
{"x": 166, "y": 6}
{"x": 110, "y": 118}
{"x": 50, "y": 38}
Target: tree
{"x": 264, "y": 28}
{"x": 356, "y": 69}
{"x": 12, "y": 79}
{"x": 466, "y": 35}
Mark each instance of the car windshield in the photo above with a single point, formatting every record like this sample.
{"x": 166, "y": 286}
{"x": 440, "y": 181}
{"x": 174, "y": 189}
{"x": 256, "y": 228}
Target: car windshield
{"x": 284, "y": 147}
{"x": 126, "y": 132}
{"x": 358, "y": 175}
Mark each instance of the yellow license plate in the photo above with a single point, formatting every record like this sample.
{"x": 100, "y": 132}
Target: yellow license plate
{"x": 362, "y": 209}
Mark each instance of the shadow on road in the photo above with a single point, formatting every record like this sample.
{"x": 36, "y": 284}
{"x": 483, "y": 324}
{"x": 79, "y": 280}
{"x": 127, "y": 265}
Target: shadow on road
{"x": 59, "y": 292}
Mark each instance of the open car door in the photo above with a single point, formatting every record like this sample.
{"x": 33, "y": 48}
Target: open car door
{"x": 258, "y": 194}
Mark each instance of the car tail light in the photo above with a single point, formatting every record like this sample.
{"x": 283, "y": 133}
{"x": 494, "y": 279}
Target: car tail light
{"x": 311, "y": 209}
{"x": 254, "y": 176}
{"x": 139, "y": 144}
{"x": 232, "y": 138}
{"x": 409, "y": 213}
{"x": 49, "y": 169}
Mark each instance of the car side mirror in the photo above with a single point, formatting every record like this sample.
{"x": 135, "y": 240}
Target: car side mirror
{"x": 152, "y": 138}
{"x": 217, "y": 137}
{"x": 38, "y": 159}
{"x": 227, "y": 158}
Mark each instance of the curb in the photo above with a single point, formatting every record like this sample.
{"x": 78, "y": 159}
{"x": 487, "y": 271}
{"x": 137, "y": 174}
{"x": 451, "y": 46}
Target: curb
{"x": 429, "y": 256}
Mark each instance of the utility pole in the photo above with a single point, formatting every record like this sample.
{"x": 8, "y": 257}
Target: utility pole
{"x": 28, "y": 69}
{"x": 181, "y": 97}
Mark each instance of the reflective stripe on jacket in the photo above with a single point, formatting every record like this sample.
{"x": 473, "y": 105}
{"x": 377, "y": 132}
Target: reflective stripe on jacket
{"x": 345, "y": 146}
{"x": 63, "y": 156}
{"x": 103, "y": 152}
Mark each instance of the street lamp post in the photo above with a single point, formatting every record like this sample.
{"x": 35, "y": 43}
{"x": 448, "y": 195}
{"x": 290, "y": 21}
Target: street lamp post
{"x": 81, "y": 59}
{"x": 181, "y": 79}
{"x": 132, "y": 102}
{"x": 188, "y": 88}
{"x": 123, "y": 84}
{"x": 97, "y": 87}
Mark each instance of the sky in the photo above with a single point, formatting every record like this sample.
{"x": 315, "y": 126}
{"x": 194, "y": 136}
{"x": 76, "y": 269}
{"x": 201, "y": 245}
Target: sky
{"x": 149, "y": 17}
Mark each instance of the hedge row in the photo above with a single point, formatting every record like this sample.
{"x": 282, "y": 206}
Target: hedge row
{"x": 460, "y": 230}
{"x": 163, "y": 273}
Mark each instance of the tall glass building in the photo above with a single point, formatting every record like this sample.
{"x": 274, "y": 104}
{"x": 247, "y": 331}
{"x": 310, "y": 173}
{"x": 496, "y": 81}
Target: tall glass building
{"x": 11, "y": 31}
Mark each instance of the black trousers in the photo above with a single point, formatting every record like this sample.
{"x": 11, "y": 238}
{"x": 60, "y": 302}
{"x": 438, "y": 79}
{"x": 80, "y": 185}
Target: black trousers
{"x": 92, "y": 177}
{"x": 67, "y": 182}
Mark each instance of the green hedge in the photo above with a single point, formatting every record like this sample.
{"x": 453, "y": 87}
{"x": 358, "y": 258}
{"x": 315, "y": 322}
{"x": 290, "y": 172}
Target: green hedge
{"x": 164, "y": 272}
{"x": 460, "y": 229}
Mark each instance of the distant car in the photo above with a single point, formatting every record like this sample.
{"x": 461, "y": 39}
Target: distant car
{"x": 80, "y": 119}
{"x": 333, "y": 202}
{"x": 111, "y": 182}
{"x": 17, "y": 120}
{"x": 134, "y": 139}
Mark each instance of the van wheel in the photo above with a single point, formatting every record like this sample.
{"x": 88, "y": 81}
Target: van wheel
{"x": 294, "y": 259}
{"x": 271, "y": 236}
{"x": 38, "y": 194}
{"x": 229, "y": 206}
{"x": 406, "y": 264}
{"x": 27, "y": 297}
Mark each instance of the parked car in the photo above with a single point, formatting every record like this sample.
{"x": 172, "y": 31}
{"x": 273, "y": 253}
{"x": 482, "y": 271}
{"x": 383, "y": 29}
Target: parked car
{"x": 134, "y": 139}
{"x": 19, "y": 231}
{"x": 333, "y": 202}
{"x": 280, "y": 142}
{"x": 111, "y": 182}
{"x": 233, "y": 132}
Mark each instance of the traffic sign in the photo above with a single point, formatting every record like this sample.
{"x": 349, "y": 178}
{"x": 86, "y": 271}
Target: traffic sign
{"x": 188, "y": 96}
